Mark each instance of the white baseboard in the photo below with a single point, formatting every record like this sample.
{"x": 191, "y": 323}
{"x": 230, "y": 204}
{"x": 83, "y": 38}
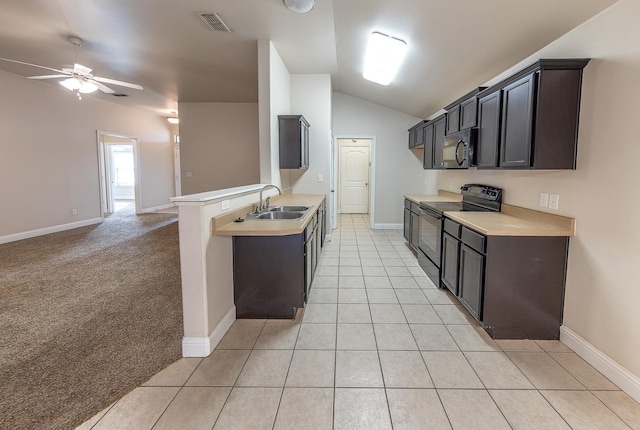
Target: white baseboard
{"x": 156, "y": 208}
{"x": 627, "y": 381}
{"x": 203, "y": 346}
{"x": 48, "y": 230}
{"x": 388, "y": 226}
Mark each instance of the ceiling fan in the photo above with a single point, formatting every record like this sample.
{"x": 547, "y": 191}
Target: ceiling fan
{"x": 78, "y": 78}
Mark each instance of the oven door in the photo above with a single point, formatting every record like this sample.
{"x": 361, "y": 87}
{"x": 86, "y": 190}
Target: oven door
{"x": 429, "y": 241}
{"x": 429, "y": 244}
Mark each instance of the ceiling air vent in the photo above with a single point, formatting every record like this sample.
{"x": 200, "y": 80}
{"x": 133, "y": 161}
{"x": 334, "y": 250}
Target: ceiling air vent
{"x": 119, "y": 95}
{"x": 214, "y": 21}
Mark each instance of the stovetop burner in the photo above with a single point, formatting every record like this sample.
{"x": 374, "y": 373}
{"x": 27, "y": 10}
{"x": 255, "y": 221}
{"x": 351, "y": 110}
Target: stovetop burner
{"x": 442, "y": 206}
{"x": 474, "y": 198}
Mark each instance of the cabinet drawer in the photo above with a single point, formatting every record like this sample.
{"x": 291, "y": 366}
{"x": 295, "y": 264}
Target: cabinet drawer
{"x": 474, "y": 240}
{"x": 415, "y": 208}
{"x": 407, "y": 203}
{"x": 452, "y": 227}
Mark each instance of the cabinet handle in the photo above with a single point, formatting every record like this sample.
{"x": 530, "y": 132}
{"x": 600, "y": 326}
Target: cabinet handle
{"x": 458, "y": 146}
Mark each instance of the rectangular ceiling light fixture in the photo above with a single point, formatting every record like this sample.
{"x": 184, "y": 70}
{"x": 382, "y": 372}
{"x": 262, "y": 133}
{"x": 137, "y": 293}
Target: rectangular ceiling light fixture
{"x": 383, "y": 58}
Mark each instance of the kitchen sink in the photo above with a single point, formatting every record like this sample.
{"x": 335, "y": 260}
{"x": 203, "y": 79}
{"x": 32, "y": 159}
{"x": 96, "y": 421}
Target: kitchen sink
{"x": 289, "y": 208}
{"x": 280, "y": 215}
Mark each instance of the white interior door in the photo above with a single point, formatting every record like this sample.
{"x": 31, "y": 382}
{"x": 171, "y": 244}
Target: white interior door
{"x": 354, "y": 178}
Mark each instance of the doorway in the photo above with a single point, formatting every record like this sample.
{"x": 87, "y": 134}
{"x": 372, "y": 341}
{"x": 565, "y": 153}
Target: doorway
{"x": 354, "y": 159}
{"x": 119, "y": 173}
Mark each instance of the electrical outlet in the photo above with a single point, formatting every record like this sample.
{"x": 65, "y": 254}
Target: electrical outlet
{"x": 224, "y": 205}
{"x": 320, "y": 178}
{"x": 74, "y": 211}
{"x": 188, "y": 174}
{"x": 544, "y": 200}
{"x": 553, "y": 201}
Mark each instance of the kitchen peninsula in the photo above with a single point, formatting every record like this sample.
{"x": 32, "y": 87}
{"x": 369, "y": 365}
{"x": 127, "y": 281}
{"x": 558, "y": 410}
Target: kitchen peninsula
{"x": 206, "y": 230}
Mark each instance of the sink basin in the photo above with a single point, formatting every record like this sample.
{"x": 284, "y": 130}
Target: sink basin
{"x": 289, "y": 208}
{"x": 280, "y": 215}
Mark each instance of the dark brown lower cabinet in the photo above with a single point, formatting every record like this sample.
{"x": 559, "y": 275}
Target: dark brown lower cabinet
{"x": 449, "y": 262}
{"x": 524, "y": 286}
{"x": 268, "y": 275}
{"x": 471, "y": 280}
{"x": 513, "y": 285}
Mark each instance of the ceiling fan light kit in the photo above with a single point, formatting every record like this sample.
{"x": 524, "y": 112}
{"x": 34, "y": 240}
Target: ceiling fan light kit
{"x": 75, "y": 84}
{"x": 78, "y": 78}
{"x": 299, "y": 6}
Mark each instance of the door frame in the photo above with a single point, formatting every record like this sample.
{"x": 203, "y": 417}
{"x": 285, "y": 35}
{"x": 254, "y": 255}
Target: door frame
{"x": 176, "y": 169}
{"x": 105, "y": 193}
{"x": 334, "y": 178}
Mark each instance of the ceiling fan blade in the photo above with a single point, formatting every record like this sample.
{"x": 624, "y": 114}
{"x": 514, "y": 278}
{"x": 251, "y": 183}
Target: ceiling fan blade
{"x": 102, "y": 87}
{"x": 32, "y": 65}
{"x": 48, "y": 76}
{"x": 80, "y": 69}
{"x": 114, "y": 82}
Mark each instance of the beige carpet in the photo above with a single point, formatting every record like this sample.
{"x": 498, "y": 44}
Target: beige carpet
{"x": 85, "y": 316}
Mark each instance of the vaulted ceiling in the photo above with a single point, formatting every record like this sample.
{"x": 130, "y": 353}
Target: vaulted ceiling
{"x": 164, "y": 45}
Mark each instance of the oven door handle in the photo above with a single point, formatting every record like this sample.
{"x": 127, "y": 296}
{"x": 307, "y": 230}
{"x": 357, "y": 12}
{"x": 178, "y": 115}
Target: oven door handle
{"x": 428, "y": 212}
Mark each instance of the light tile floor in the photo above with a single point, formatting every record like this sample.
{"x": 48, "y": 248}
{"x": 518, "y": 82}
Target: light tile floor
{"x": 378, "y": 347}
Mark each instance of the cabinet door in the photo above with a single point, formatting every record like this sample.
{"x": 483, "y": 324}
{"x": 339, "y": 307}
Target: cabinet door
{"x": 438, "y": 139}
{"x": 488, "y": 130}
{"x": 407, "y": 225}
{"x": 468, "y": 113}
{"x": 453, "y": 120}
{"x": 412, "y": 138}
{"x": 427, "y": 159}
{"x": 517, "y": 120}
{"x": 415, "y": 229}
{"x": 304, "y": 145}
{"x": 449, "y": 264}
{"x": 471, "y": 280}
{"x": 419, "y": 136}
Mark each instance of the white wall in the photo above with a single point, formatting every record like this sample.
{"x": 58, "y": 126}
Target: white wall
{"x": 602, "y": 293}
{"x": 274, "y": 88}
{"x": 218, "y": 145}
{"x": 311, "y": 97}
{"x": 49, "y": 162}
{"x": 398, "y": 170}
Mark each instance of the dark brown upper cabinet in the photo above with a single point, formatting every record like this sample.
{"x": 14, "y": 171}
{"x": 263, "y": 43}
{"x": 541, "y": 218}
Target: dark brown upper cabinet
{"x": 294, "y": 142}
{"x": 439, "y": 129}
{"x": 462, "y": 113}
{"x": 453, "y": 119}
{"x": 538, "y": 123}
{"x": 427, "y": 159}
{"x": 416, "y": 135}
{"x": 488, "y": 130}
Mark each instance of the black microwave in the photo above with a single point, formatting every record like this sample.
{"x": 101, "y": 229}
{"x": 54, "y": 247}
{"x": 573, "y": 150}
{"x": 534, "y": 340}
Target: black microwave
{"x": 457, "y": 149}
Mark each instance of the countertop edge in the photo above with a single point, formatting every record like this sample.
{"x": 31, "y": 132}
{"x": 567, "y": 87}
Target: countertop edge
{"x": 271, "y": 227}
{"x": 536, "y": 229}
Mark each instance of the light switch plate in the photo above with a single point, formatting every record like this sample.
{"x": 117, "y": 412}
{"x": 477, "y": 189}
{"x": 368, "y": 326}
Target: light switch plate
{"x": 188, "y": 174}
{"x": 224, "y": 205}
{"x": 544, "y": 200}
{"x": 553, "y": 201}
{"x": 320, "y": 178}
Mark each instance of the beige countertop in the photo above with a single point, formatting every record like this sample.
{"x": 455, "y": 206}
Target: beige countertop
{"x": 515, "y": 221}
{"x": 442, "y": 196}
{"x": 223, "y": 225}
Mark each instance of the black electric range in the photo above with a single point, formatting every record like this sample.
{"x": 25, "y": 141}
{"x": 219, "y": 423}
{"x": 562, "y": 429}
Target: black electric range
{"x": 475, "y": 197}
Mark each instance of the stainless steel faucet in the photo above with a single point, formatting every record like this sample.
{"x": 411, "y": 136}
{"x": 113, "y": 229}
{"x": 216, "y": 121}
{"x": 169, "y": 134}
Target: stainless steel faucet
{"x": 260, "y": 207}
